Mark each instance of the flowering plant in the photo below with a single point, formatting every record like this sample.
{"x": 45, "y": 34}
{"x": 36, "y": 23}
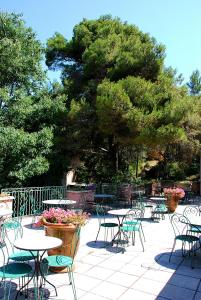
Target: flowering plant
{"x": 62, "y": 216}
{"x": 174, "y": 191}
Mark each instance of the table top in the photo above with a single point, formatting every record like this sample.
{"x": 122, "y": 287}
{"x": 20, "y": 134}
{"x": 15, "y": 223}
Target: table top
{"x": 118, "y": 212}
{"x": 158, "y": 198}
{"x": 103, "y": 196}
{"x": 38, "y": 243}
{"x": 5, "y": 212}
{"x": 59, "y": 202}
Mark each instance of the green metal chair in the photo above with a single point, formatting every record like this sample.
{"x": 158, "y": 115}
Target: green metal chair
{"x": 181, "y": 226}
{"x": 103, "y": 223}
{"x": 159, "y": 212}
{"x": 189, "y": 212}
{"x": 64, "y": 261}
{"x": 12, "y": 271}
{"x": 131, "y": 224}
{"x": 12, "y": 230}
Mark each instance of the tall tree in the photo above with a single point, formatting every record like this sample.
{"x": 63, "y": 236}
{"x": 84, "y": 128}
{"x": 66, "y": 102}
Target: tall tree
{"x": 30, "y": 112}
{"x": 118, "y": 72}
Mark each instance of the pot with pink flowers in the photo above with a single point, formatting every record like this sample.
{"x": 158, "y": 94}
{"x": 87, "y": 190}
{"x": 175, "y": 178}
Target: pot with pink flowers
{"x": 173, "y": 195}
{"x": 62, "y": 224}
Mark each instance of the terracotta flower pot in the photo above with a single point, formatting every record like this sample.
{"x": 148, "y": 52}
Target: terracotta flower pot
{"x": 172, "y": 202}
{"x": 67, "y": 234}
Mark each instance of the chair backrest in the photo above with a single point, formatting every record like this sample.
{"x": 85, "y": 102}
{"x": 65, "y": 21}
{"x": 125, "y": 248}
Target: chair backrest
{"x": 75, "y": 242}
{"x": 100, "y": 213}
{"x": 133, "y": 214}
{"x": 191, "y": 211}
{"x": 11, "y": 230}
{"x": 180, "y": 224}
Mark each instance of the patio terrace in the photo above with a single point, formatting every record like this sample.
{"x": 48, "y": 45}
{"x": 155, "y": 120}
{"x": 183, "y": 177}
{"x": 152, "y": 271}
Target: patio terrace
{"x": 105, "y": 273}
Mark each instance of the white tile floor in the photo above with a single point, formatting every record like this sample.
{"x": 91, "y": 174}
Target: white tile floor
{"x": 105, "y": 273}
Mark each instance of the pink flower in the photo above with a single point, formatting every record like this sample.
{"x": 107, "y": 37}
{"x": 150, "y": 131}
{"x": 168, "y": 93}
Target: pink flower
{"x": 62, "y": 216}
{"x": 175, "y": 191}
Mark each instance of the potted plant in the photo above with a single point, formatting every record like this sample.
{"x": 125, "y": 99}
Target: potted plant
{"x": 62, "y": 224}
{"x": 173, "y": 195}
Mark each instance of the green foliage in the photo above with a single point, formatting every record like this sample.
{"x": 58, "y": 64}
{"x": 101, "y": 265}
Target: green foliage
{"x": 194, "y": 84}
{"x": 20, "y": 54}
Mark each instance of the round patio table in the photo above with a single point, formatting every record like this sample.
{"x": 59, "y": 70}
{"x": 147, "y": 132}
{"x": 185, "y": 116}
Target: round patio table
{"x": 102, "y": 198}
{"x": 120, "y": 214}
{"x": 59, "y": 202}
{"x": 37, "y": 244}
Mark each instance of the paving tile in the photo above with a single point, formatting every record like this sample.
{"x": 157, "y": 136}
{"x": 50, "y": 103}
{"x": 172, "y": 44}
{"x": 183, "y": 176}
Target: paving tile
{"x": 184, "y": 281}
{"x": 133, "y": 270}
{"x": 177, "y": 293}
{"x": 132, "y": 294}
{"x": 149, "y": 286}
{"x": 90, "y": 296}
{"x": 122, "y": 279}
{"x": 109, "y": 290}
{"x": 100, "y": 273}
{"x": 188, "y": 271}
{"x": 85, "y": 283}
{"x": 158, "y": 275}
{"x": 111, "y": 264}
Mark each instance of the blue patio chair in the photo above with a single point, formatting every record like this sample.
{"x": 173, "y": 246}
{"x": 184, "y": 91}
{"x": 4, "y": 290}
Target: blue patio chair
{"x": 63, "y": 261}
{"x": 103, "y": 223}
{"x": 181, "y": 226}
{"x": 11, "y": 271}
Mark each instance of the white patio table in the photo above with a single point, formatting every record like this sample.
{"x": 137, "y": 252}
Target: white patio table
{"x": 59, "y": 202}
{"x": 120, "y": 214}
{"x": 5, "y": 213}
{"x": 37, "y": 244}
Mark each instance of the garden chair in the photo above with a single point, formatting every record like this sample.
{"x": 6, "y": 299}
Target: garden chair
{"x": 131, "y": 224}
{"x": 11, "y": 271}
{"x": 189, "y": 212}
{"x": 181, "y": 225}
{"x": 61, "y": 261}
{"x": 159, "y": 211}
{"x": 12, "y": 230}
{"x": 103, "y": 223}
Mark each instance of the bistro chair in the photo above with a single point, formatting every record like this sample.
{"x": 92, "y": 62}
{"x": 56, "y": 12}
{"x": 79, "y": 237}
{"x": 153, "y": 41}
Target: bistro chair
{"x": 12, "y": 230}
{"x": 189, "y": 212}
{"x": 131, "y": 224}
{"x": 181, "y": 226}
{"x": 159, "y": 212}
{"x": 11, "y": 271}
{"x": 103, "y": 223}
{"x": 63, "y": 261}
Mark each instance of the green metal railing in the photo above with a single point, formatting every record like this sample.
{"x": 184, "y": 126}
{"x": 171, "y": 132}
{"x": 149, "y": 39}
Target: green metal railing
{"x": 33, "y": 197}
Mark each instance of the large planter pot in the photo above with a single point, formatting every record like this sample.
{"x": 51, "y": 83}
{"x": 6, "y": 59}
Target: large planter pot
{"x": 67, "y": 234}
{"x": 172, "y": 202}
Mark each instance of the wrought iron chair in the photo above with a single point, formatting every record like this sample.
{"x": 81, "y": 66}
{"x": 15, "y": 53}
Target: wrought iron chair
{"x": 159, "y": 211}
{"x": 63, "y": 261}
{"x": 103, "y": 223}
{"x": 181, "y": 226}
{"x": 16, "y": 270}
{"x": 189, "y": 212}
{"x": 132, "y": 223}
{"x": 12, "y": 230}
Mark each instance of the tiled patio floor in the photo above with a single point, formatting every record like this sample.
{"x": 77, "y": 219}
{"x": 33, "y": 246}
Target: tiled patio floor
{"x": 105, "y": 273}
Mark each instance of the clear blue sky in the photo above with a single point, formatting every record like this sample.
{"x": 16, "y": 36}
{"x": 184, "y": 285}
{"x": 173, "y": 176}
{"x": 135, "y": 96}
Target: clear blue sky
{"x": 174, "y": 23}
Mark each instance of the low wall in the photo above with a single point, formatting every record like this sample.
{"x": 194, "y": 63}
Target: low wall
{"x": 84, "y": 199}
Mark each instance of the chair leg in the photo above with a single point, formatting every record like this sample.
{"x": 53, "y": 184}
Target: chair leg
{"x": 141, "y": 240}
{"x": 172, "y": 250}
{"x": 142, "y": 232}
{"x": 97, "y": 234}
